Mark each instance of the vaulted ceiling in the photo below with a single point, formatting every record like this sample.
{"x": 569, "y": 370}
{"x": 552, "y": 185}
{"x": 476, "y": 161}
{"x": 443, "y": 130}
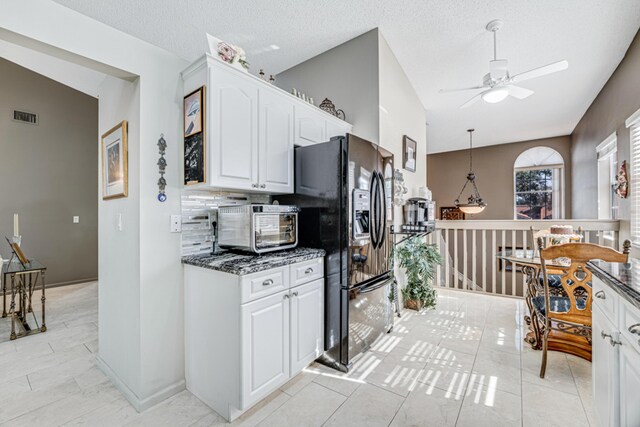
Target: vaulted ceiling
{"x": 439, "y": 44}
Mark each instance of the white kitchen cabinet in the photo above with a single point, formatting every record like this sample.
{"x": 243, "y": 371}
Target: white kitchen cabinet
{"x": 246, "y": 335}
{"x": 276, "y": 130}
{"x": 233, "y": 130}
{"x": 307, "y": 326}
{"x": 251, "y": 128}
{"x": 630, "y": 384}
{"x": 265, "y": 346}
{"x": 604, "y": 361}
{"x": 615, "y": 358}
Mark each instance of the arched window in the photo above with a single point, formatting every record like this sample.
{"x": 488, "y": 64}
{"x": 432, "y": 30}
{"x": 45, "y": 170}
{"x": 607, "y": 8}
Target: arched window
{"x": 539, "y": 183}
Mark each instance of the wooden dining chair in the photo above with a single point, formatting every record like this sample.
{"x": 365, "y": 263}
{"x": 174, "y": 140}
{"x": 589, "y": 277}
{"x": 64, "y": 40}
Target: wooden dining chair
{"x": 570, "y": 313}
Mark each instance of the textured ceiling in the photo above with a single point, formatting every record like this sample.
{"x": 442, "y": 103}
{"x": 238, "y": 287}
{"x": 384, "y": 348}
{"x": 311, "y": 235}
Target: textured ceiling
{"x": 439, "y": 43}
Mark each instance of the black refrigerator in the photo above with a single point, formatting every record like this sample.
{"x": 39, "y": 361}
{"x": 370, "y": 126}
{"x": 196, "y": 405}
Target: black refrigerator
{"x": 344, "y": 189}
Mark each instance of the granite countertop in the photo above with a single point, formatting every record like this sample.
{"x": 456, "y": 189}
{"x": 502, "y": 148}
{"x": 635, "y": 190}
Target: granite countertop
{"x": 623, "y": 278}
{"x": 243, "y": 263}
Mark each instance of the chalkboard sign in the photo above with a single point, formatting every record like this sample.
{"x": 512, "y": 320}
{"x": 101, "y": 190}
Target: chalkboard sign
{"x": 195, "y": 151}
{"x": 194, "y": 159}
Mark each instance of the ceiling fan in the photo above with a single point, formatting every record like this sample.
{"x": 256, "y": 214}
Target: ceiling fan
{"x": 498, "y": 83}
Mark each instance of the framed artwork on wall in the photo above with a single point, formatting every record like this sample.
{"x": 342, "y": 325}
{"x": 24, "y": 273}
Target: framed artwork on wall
{"x": 451, "y": 213}
{"x": 195, "y": 148}
{"x": 409, "y": 147}
{"x": 115, "y": 169}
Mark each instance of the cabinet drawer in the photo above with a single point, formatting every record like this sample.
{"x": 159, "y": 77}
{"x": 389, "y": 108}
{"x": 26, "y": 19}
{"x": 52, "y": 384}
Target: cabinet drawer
{"x": 306, "y": 271}
{"x": 605, "y": 299}
{"x": 630, "y": 324}
{"x": 263, "y": 283}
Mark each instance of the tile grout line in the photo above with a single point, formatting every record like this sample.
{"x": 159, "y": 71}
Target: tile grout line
{"x": 578, "y": 390}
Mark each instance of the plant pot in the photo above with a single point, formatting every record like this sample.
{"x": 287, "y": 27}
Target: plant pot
{"x": 413, "y": 304}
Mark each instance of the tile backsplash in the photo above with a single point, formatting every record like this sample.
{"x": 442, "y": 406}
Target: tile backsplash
{"x": 200, "y": 217}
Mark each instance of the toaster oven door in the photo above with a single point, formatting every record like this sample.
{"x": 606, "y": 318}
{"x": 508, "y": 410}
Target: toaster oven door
{"x": 274, "y": 230}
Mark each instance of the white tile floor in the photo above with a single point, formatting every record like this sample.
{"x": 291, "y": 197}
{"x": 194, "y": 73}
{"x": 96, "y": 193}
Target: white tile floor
{"x": 463, "y": 364}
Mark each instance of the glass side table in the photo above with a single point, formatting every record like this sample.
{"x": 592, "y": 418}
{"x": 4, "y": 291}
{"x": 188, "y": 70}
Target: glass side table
{"x": 22, "y": 281}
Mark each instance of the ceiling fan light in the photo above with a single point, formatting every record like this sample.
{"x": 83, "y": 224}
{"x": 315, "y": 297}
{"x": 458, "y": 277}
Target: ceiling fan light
{"x": 471, "y": 209}
{"x": 495, "y": 95}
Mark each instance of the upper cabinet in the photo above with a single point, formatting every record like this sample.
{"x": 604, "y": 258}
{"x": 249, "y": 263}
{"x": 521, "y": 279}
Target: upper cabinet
{"x": 252, "y": 127}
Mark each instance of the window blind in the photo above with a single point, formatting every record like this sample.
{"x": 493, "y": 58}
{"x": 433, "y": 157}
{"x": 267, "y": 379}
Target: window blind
{"x": 634, "y": 179}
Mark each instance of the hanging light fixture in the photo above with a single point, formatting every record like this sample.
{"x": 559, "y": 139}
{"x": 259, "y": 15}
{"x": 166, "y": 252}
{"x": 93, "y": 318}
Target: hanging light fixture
{"x": 474, "y": 204}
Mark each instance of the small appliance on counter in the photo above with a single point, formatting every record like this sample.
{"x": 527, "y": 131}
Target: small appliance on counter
{"x": 258, "y": 228}
{"x": 419, "y": 215}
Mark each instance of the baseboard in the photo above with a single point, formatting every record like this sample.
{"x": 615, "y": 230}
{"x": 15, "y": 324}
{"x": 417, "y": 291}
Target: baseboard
{"x": 139, "y": 405}
{"x": 72, "y": 282}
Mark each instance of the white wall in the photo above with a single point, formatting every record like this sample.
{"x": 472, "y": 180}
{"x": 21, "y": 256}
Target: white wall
{"x": 141, "y": 340}
{"x": 401, "y": 113}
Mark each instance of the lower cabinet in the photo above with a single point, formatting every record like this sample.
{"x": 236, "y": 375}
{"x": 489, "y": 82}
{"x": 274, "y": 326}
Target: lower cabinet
{"x": 245, "y": 336}
{"x": 307, "y": 324}
{"x": 630, "y": 384}
{"x": 265, "y": 346}
{"x": 616, "y": 358}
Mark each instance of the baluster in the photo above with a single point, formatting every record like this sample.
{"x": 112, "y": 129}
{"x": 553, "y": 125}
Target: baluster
{"x": 494, "y": 263}
{"x": 447, "y": 277}
{"x": 484, "y": 260}
{"x": 514, "y": 268}
{"x": 504, "y": 265}
{"x": 524, "y": 245}
{"x": 456, "y": 274}
{"x": 473, "y": 260}
{"x": 465, "y": 275}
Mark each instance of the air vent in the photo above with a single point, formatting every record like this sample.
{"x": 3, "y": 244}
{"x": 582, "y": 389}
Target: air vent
{"x": 25, "y": 117}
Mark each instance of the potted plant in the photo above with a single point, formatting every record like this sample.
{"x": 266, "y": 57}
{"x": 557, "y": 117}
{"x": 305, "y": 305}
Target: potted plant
{"x": 419, "y": 260}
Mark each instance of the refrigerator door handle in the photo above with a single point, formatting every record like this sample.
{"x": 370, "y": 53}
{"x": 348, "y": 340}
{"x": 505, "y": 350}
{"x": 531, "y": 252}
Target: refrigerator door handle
{"x": 384, "y": 209}
{"x": 373, "y": 223}
{"x": 373, "y": 286}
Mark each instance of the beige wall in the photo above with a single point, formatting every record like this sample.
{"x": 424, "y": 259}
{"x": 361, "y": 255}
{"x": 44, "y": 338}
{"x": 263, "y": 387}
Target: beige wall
{"x": 618, "y": 99}
{"x": 49, "y": 173}
{"x": 493, "y": 165}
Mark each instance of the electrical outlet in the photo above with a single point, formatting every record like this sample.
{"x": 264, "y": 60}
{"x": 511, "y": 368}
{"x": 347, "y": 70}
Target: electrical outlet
{"x": 76, "y": 219}
{"x": 176, "y": 223}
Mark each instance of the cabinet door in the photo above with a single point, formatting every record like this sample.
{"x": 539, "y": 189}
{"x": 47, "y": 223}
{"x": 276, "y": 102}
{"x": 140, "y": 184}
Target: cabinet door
{"x": 310, "y": 126}
{"x": 629, "y": 384}
{"x": 307, "y": 324}
{"x": 265, "y": 346}
{"x": 333, "y": 128}
{"x": 275, "y": 141}
{"x": 604, "y": 368}
{"x": 234, "y": 131}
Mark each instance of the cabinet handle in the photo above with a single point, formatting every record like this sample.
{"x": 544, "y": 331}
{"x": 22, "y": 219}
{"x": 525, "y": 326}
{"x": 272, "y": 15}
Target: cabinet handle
{"x": 254, "y": 185}
{"x": 308, "y": 270}
{"x": 614, "y": 342}
{"x": 600, "y": 295}
{"x": 635, "y": 329}
{"x": 286, "y": 296}
{"x": 263, "y": 185}
{"x": 604, "y": 336}
{"x": 295, "y": 294}
{"x": 267, "y": 282}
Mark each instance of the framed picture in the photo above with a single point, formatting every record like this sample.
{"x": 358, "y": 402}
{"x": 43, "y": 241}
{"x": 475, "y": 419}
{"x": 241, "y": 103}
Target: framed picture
{"x": 17, "y": 250}
{"x": 193, "y": 109}
{"x": 115, "y": 169}
{"x": 451, "y": 213}
{"x": 195, "y": 147}
{"x": 409, "y": 147}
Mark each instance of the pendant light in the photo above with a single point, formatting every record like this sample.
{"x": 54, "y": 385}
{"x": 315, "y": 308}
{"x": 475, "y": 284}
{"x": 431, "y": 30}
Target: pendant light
{"x": 474, "y": 204}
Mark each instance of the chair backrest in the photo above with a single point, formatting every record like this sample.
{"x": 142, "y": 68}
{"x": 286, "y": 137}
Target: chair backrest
{"x": 534, "y": 234}
{"x": 576, "y": 279}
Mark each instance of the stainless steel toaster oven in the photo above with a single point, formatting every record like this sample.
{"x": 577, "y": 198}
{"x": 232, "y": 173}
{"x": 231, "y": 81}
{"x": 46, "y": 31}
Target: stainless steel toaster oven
{"x": 258, "y": 228}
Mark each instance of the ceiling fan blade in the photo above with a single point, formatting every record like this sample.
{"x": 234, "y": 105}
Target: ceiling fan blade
{"x": 461, "y": 89}
{"x": 519, "y": 92}
{"x": 472, "y": 101}
{"x": 541, "y": 71}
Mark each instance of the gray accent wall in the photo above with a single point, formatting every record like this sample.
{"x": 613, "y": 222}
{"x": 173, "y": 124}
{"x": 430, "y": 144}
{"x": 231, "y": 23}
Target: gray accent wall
{"x": 49, "y": 173}
{"x": 618, "y": 99}
{"x": 493, "y": 165}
